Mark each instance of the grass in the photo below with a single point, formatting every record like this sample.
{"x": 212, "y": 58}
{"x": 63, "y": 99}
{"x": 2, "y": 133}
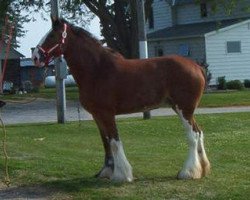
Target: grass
{"x": 226, "y": 98}
{"x": 47, "y": 93}
{"x": 213, "y": 99}
{"x": 62, "y": 159}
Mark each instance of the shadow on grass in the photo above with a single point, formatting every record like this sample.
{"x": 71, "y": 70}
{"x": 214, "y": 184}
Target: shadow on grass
{"x": 69, "y": 186}
{"x": 78, "y": 184}
{"x": 25, "y": 192}
{"x": 50, "y": 188}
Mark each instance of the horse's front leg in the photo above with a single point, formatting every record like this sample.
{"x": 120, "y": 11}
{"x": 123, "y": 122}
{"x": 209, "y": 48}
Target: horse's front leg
{"x": 108, "y": 167}
{"x": 116, "y": 166}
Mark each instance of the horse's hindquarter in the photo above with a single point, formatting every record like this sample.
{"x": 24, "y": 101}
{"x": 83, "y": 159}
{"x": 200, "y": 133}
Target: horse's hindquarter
{"x": 145, "y": 84}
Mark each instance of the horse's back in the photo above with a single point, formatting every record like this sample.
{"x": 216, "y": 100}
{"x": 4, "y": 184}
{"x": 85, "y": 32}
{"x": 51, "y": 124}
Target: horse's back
{"x": 147, "y": 83}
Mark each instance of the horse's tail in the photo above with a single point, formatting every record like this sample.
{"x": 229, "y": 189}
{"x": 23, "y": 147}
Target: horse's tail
{"x": 205, "y": 76}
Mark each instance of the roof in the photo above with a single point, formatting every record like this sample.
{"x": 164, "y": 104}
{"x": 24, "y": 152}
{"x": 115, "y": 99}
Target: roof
{"x": 179, "y": 2}
{"x": 191, "y": 30}
{"x": 28, "y": 62}
{"x": 13, "y": 54}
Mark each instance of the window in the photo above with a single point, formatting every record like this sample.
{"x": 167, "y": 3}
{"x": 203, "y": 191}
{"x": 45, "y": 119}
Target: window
{"x": 151, "y": 18}
{"x": 159, "y": 51}
{"x": 184, "y": 50}
{"x": 203, "y": 8}
{"x": 233, "y": 47}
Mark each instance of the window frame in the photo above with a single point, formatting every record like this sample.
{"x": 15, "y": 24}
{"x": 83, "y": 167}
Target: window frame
{"x": 233, "y": 52}
{"x": 187, "y": 50}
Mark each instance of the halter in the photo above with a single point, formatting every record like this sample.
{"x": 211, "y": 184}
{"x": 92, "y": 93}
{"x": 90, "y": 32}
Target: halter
{"x": 46, "y": 53}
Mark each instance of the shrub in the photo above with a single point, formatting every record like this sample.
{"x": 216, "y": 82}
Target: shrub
{"x": 247, "y": 83}
{"x": 35, "y": 90}
{"x": 221, "y": 83}
{"x": 235, "y": 85}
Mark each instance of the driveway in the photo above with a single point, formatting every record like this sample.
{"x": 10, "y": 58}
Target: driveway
{"x": 44, "y": 110}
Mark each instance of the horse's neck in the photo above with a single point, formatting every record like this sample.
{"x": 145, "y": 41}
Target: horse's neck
{"x": 81, "y": 53}
{"x": 83, "y": 57}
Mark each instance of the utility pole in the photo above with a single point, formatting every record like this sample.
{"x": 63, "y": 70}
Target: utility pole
{"x": 60, "y": 67}
{"x": 143, "y": 46}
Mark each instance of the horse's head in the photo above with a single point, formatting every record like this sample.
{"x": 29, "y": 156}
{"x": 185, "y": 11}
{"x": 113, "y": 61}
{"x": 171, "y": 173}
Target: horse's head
{"x": 52, "y": 44}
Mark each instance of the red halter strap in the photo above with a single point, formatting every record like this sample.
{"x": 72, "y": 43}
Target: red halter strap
{"x": 46, "y": 53}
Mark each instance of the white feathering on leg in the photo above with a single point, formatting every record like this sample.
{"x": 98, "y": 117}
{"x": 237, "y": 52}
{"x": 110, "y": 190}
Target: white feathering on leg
{"x": 192, "y": 168}
{"x": 122, "y": 168}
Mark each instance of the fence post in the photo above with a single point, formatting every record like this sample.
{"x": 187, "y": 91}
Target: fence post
{"x": 60, "y": 67}
{"x": 143, "y": 46}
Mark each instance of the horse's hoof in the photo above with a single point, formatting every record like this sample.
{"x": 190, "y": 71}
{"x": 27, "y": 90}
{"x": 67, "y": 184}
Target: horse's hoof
{"x": 121, "y": 179}
{"x": 106, "y": 172}
{"x": 189, "y": 174}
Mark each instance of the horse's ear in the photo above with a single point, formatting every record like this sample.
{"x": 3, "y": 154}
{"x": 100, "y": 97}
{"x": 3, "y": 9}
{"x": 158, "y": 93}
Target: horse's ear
{"x": 55, "y": 21}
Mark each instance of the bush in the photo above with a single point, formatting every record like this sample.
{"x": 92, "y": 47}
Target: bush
{"x": 235, "y": 85}
{"x": 221, "y": 83}
{"x": 247, "y": 83}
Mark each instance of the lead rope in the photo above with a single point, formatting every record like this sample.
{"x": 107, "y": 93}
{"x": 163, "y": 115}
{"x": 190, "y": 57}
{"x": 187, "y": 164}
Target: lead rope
{"x": 6, "y": 158}
{"x": 79, "y": 114}
{"x": 6, "y": 180}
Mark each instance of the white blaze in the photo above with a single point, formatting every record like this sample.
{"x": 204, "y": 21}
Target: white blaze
{"x": 36, "y": 54}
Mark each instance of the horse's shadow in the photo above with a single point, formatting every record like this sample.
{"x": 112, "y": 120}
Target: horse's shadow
{"x": 47, "y": 189}
{"x": 67, "y": 186}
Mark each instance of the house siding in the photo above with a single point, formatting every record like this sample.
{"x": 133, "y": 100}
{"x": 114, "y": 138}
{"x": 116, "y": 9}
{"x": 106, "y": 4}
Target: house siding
{"x": 162, "y": 16}
{"x": 234, "y": 66}
{"x": 196, "y": 46}
{"x": 190, "y": 13}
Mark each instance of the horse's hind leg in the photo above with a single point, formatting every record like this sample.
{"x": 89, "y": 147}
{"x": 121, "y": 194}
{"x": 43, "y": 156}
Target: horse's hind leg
{"x": 205, "y": 164}
{"x": 197, "y": 164}
{"x": 116, "y": 166}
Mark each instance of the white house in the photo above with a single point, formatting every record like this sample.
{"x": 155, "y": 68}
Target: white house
{"x": 193, "y": 30}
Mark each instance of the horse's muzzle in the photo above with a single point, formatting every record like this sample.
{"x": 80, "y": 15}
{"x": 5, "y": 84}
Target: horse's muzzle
{"x": 38, "y": 58}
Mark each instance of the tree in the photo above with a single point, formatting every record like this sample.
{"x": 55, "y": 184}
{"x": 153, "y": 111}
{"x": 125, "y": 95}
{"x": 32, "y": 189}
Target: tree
{"x": 12, "y": 9}
{"x": 118, "y": 20}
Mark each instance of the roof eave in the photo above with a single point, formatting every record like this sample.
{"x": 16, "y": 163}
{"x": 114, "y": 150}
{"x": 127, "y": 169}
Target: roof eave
{"x": 226, "y": 28}
{"x": 174, "y": 38}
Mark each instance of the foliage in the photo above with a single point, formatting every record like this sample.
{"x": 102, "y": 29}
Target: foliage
{"x": 235, "y": 85}
{"x": 118, "y": 23}
{"x": 117, "y": 17}
{"x": 221, "y": 83}
{"x": 227, "y": 5}
{"x": 52, "y": 161}
{"x": 247, "y": 83}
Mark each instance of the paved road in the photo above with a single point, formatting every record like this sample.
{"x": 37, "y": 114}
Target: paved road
{"x": 43, "y": 110}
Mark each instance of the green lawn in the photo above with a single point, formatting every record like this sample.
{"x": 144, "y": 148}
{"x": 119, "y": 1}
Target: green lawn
{"x": 62, "y": 159}
{"x": 213, "y": 99}
{"x": 226, "y": 98}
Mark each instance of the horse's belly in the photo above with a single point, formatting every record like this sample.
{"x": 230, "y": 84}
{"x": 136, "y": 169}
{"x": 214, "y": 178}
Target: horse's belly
{"x": 139, "y": 102}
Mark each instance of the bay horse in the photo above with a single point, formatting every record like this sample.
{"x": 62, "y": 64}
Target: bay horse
{"x": 110, "y": 85}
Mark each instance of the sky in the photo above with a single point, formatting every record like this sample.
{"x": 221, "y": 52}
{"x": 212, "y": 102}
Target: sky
{"x": 37, "y": 29}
